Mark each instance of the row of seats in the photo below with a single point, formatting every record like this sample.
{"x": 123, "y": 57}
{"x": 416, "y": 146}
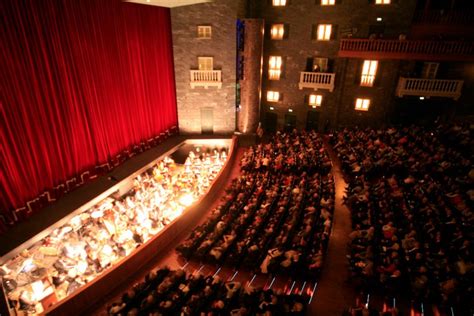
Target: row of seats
{"x": 168, "y": 292}
{"x": 411, "y": 197}
{"x": 277, "y": 216}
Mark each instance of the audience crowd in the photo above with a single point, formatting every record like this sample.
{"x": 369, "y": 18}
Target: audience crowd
{"x": 410, "y": 191}
{"x": 277, "y": 215}
{"x": 166, "y": 292}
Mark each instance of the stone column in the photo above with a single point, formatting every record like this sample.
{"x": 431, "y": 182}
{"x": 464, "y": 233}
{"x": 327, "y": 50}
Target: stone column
{"x": 251, "y": 84}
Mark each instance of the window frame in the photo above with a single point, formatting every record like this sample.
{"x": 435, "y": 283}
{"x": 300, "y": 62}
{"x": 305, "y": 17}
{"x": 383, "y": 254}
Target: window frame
{"x": 324, "y": 28}
{"x": 325, "y": 63}
{"x": 429, "y": 70}
{"x": 204, "y": 27}
{"x": 360, "y": 102}
{"x": 277, "y": 36}
{"x": 275, "y": 96}
{"x": 274, "y": 71}
{"x": 205, "y": 58}
{"x": 318, "y": 100}
{"x": 328, "y": 3}
{"x": 279, "y": 3}
{"x": 369, "y": 72}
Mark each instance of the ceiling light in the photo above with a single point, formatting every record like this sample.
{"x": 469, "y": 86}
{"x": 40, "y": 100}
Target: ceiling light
{"x": 379, "y": 19}
{"x": 290, "y": 110}
{"x": 422, "y": 98}
{"x": 272, "y": 108}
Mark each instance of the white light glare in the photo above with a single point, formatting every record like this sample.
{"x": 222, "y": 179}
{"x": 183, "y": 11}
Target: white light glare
{"x": 186, "y": 199}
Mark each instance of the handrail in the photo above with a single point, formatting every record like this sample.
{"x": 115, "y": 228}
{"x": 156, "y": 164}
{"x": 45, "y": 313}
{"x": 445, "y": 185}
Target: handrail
{"x": 205, "y": 78}
{"x": 429, "y": 87}
{"x": 408, "y": 46}
{"x": 317, "y": 80}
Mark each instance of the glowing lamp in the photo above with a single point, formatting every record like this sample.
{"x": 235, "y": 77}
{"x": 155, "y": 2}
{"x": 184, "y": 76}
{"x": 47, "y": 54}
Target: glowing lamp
{"x": 37, "y": 289}
{"x": 97, "y": 214}
{"x": 107, "y": 250}
{"x": 186, "y": 199}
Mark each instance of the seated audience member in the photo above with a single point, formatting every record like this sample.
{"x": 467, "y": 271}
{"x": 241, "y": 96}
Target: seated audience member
{"x": 412, "y": 193}
{"x": 277, "y": 216}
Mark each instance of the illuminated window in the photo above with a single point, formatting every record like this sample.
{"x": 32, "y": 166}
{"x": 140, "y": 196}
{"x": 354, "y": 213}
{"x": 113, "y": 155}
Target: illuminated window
{"x": 279, "y": 3}
{"x": 320, "y": 64}
{"x": 382, "y": 1}
{"x": 315, "y": 99}
{"x": 278, "y": 31}
{"x": 328, "y": 2}
{"x": 273, "y": 96}
{"x": 205, "y": 63}
{"x": 274, "y": 67}
{"x": 204, "y": 31}
{"x": 369, "y": 71}
{"x": 362, "y": 104}
{"x": 324, "y": 32}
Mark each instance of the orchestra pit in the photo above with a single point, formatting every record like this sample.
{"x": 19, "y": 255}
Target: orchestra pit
{"x": 235, "y": 157}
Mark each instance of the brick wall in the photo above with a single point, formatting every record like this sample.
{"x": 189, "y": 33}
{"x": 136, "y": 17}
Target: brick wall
{"x": 221, "y": 15}
{"x": 350, "y": 17}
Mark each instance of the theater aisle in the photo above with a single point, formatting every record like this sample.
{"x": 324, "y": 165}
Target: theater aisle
{"x": 166, "y": 257}
{"x": 334, "y": 293}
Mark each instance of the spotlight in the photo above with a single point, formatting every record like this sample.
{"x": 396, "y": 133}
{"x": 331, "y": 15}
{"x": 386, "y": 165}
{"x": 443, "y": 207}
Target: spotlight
{"x": 272, "y": 108}
{"x": 290, "y": 110}
{"x": 422, "y": 98}
{"x": 379, "y": 19}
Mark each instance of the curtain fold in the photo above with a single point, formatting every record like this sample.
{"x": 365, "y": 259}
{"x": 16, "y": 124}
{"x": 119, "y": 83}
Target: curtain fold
{"x": 81, "y": 82}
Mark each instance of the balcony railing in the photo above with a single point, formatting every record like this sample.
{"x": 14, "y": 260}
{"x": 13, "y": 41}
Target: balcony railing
{"x": 429, "y": 87}
{"x": 206, "y": 78}
{"x": 317, "y": 80}
{"x": 406, "y": 49}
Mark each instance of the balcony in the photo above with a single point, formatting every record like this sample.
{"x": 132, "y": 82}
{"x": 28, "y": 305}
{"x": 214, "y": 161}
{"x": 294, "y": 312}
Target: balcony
{"x": 407, "y": 49}
{"x": 429, "y": 87}
{"x": 206, "y": 78}
{"x": 317, "y": 80}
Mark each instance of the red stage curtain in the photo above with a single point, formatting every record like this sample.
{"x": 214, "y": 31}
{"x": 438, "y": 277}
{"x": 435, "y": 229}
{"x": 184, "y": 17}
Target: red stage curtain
{"x": 81, "y": 81}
